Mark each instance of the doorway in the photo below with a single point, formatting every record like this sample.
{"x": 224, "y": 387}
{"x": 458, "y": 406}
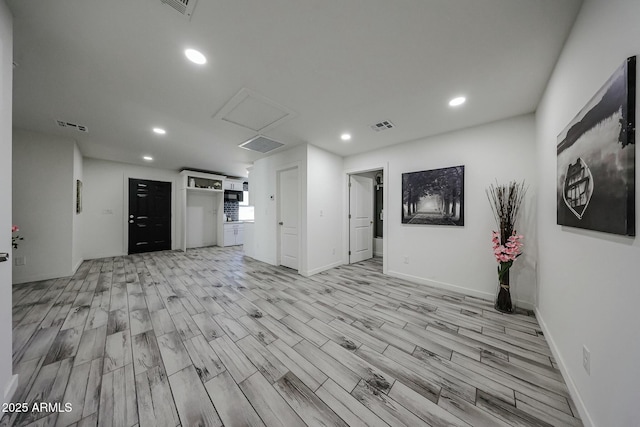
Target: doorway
{"x": 289, "y": 217}
{"x": 149, "y": 216}
{"x": 366, "y": 215}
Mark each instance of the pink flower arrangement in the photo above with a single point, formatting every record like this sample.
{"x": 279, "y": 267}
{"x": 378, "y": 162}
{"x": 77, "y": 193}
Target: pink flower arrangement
{"x": 15, "y": 239}
{"x": 510, "y": 250}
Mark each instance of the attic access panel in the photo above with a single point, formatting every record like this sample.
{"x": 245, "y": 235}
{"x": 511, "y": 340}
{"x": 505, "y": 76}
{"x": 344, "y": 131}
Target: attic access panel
{"x": 253, "y": 111}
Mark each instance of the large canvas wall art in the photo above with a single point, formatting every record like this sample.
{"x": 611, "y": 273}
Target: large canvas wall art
{"x": 596, "y": 159}
{"x": 434, "y": 197}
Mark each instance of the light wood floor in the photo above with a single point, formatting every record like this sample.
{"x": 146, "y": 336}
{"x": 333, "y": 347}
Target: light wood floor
{"x": 212, "y": 338}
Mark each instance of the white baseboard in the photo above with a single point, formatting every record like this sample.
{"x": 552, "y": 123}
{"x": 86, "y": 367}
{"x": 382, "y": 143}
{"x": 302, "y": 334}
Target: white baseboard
{"x": 455, "y": 288}
{"x": 39, "y": 278}
{"x": 321, "y": 269}
{"x": 105, "y": 255}
{"x": 11, "y": 388}
{"x": 78, "y": 264}
{"x": 573, "y": 390}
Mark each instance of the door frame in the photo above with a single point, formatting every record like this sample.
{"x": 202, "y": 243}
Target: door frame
{"x": 384, "y": 167}
{"x": 301, "y": 255}
{"x": 125, "y": 206}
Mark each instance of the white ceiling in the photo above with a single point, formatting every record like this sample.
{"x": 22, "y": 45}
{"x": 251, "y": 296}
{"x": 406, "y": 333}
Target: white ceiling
{"x": 117, "y": 67}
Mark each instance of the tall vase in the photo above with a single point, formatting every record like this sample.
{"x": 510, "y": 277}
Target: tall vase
{"x": 503, "y": 300}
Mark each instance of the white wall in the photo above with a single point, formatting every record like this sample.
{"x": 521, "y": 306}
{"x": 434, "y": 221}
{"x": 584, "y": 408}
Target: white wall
{"x": 43, "y": 177}
{"x": 325, "y": 210}
{"x": 263, "y": 185}
{"x": 8, "y": 382}
{"x": 104, "y": 230}
{"x": 589, "y": 287}
{"x": 502, "y": 150}
{"x": 76, "y": 255}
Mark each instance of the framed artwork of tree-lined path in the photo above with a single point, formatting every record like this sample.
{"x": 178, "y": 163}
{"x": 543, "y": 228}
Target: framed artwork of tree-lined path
{"x": 433, "y": 197}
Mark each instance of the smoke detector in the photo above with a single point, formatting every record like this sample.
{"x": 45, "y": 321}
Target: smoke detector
{"x": 261, "y": 144}
{"x": 68, "y": 125}
{"x": 383, "y": 125}
{"x": 185, "y": 7}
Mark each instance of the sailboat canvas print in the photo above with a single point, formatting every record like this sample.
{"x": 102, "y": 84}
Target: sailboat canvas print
{"x": 596, "y": 159}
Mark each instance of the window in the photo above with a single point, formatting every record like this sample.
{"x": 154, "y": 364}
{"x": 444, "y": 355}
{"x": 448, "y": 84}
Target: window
{"x": 245, "y": 212}
{"x": 245, "y": 199}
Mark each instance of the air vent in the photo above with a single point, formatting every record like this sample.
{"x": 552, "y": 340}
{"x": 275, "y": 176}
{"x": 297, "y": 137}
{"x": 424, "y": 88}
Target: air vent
{"x": 68, "y": 125}
{"x": 384, "y": 125}
{"x": 261, "y": 144}
{"x": 185, "y": 7}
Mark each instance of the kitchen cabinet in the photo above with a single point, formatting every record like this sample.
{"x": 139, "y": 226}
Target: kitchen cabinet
{"x": 233, "y": 234}
{"x": 233, "y": 185}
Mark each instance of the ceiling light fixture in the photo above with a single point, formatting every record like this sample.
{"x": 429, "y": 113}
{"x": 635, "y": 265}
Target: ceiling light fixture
{"x": 345, "y": 136}
{"x": 147, "y": 158}
{"x": 457, "y": 101}
{"x": 195, "y": 56}
{"x": 159, "y": 131}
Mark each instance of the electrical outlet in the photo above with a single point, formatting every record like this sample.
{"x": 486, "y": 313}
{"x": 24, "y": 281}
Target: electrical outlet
{"x": 321, "y": 212}
{"x": 406, "y": 259}
{"x": 586, "y": 359}
{"x": 20, "y": 260}
{"x": 333, "y": 252}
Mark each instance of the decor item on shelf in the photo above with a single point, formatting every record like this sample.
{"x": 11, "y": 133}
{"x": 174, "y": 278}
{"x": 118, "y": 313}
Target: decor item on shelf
{"x": 505, "y": 201}
{"x": 434, "y": 197}
{"x": 596, "y": 159}
{"x": 15, "y": 238}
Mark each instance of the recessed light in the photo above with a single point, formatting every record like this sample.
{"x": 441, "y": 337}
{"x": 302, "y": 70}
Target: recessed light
{"x": 195, "y": 56}
{"x": 147, "y": 158}
{"x": 345, "y": 136}
{"x": 159, "y": 131}
{"x": 457, "y": 101}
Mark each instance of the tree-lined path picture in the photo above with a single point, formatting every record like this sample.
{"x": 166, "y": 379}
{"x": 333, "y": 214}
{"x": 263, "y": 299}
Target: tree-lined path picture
{"x": 434, "y": 197}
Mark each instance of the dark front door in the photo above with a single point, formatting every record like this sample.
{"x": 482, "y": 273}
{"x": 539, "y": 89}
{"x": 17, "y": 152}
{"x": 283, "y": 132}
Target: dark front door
{"x": 149, "y": 215}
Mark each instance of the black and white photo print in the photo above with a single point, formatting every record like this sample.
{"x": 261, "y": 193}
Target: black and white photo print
{"x": 434, "y": 197}
{"x": 596, "y": 159}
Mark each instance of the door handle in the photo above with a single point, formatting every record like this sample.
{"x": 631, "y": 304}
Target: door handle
{"x": 4, "y": 256}
{"x": 281, "y": 223}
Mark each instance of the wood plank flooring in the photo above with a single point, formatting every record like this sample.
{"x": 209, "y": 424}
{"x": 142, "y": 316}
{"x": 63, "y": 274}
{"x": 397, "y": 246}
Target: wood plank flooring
{"x": 210, "y": 338}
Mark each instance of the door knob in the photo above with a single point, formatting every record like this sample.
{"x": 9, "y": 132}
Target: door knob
{"x": 130, "y": 216}
{"x": 130, "y": 221}
{"x": 281, "y": 223}
{"x": 4, "y": 256}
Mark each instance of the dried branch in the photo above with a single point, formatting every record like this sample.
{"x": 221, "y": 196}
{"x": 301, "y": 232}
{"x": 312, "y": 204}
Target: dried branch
{"x": 505, "y": 201}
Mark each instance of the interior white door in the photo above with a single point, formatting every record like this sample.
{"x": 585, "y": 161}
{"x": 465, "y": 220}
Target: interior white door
{"x": 289, "y": 210}
{"x": 360, "y": 218}
{"x": 7, "y": 382}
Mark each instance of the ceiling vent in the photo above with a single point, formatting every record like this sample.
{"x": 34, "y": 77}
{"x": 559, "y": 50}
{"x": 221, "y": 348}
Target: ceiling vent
{"x": 185, "y": 7}
{"x": 384, "y": 125}
{"x": 261, "y": 144}
{"x": 253, "y": 111}
{"x": 67, "y": 125}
